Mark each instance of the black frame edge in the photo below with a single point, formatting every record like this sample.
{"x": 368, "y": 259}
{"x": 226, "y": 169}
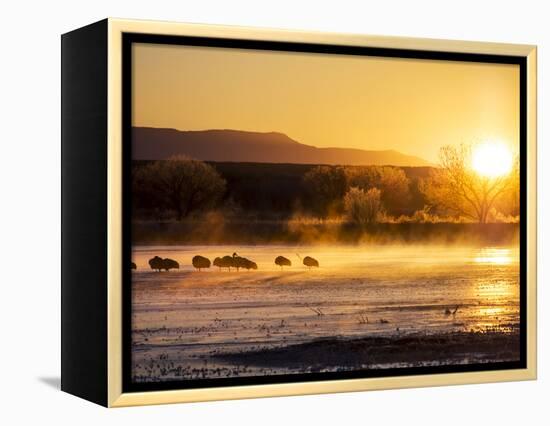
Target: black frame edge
{"x": 84, "y": 212}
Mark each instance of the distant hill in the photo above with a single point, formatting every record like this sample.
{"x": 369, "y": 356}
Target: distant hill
{"x": 241, "y": 146}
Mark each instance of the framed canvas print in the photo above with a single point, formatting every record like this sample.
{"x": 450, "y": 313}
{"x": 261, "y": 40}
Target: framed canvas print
{"x": 250, "y": 213}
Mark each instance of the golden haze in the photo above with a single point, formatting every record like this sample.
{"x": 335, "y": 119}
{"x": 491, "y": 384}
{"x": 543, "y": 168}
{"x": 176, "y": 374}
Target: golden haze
{"x": 410, "y": 105}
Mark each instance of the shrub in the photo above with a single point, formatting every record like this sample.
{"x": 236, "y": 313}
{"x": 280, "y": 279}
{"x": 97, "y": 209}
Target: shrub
{"x": 363, "y": 207}
{"x": 392, "y": 181}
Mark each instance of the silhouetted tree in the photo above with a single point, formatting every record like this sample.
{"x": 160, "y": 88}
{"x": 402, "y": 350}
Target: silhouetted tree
{"x": 181, "y": 184}
{"x": 456, "y": 188}
{"x": 326, "y": 186}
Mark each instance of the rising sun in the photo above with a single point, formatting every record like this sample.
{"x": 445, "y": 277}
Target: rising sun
{"x": 492, "y": 159}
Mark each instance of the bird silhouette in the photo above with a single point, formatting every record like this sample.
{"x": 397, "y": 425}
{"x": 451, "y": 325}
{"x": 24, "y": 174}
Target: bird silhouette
{"x": 449, "y": 312}
{"x": 200, "y": 262}
{"x": 282, "y": 261}
{"x": 309, "y": 261}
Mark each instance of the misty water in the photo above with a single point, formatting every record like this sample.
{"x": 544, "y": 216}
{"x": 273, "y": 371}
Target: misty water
{"x": 186, "y": 317}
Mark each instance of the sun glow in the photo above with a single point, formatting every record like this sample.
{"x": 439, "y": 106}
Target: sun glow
{"x": 492, "y": 159}
{"x": 495, "y": 256}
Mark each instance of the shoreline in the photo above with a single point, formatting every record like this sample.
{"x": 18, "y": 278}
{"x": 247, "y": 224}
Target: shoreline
{"x": 342, "y": 355}
{"x": 330, "y": 354}
{"x": 284, "y": 232}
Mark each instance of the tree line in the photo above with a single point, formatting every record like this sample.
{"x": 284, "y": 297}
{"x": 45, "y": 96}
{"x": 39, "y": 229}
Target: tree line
{"x": 182, "y": 187}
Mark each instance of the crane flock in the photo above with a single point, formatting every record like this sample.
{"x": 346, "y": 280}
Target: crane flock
{"x": 226, "y": 262}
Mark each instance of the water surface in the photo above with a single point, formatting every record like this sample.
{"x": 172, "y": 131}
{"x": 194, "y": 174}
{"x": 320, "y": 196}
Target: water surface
{"x": 184, "y": 317}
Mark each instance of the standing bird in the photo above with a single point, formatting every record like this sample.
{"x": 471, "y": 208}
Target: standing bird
{"x": 200, "y": 262}
{"x": 308, "y": 261}
{"x": 236, "y": 261}
{"x": 218, "y": 262}
{"x": 157, "y": 263}
{"x": 453, "y": 313}
{"x": 248, "y": 264}
{"x": 227, "y": 262}
{"x": 242, "y": 262}
{"x": 168, "y": 264}
{"x": 282, "y": 261}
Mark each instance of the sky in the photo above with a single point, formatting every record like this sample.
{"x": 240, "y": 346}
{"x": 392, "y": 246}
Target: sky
{"x": 409, "y": 105}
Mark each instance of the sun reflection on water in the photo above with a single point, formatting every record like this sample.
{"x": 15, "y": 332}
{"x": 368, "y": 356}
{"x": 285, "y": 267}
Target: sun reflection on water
{"x": 495, "y": 290}
{"x": 495, "y": 293}
{"x": 495, "y": 256}
{"x": 490, "y": 311}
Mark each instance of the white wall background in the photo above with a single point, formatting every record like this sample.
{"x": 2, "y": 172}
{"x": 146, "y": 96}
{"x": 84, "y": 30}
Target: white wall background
{"x": 30, "y": 211}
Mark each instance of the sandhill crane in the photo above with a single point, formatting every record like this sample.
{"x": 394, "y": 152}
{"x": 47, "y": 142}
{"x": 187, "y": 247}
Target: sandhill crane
{"x": 168, "y": 264}
{"x": 200, "y": 262}
{"x": 242, "y": 262}
{"x": 282, "y": 261}
{"x": 226, "y": 262}
{"x": 449, "y": 312}
{"x": 218, "y": 261}
{"x": 248, "y": 264}
{"x": 308, "y": 261}
{"x": 157, "y": 263}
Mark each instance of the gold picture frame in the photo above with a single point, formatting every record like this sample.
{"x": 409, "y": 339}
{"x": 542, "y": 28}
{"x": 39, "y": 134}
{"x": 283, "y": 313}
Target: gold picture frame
{"x": 113, "y": 30}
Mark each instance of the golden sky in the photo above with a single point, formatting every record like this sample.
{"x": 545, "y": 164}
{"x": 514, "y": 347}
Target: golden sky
{"x": 409, "y": 105}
